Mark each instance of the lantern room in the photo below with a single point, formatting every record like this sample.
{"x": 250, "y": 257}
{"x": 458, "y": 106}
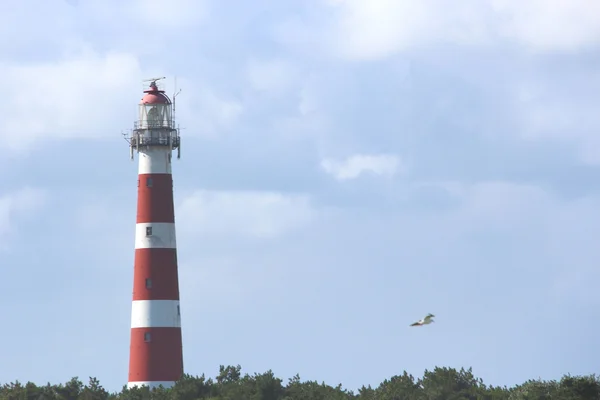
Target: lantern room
{"x": 155, "y": 109}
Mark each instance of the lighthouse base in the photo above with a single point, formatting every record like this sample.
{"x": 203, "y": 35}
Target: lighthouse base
{"x": 151, "y": 385}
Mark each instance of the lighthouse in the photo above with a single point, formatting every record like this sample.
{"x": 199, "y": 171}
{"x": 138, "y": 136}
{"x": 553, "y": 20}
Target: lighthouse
{"x": 156, "y": 355}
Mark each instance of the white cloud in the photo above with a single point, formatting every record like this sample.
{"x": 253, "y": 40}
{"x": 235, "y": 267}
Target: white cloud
{"x": 309, "y": 96}
{"x": 95, "y": 96}
{"x": 564, "y": 230}
{"x": 84, "y": 96}
{"x": 533, "y": 229}
{"x": 204, "y": 111}
{"x": 210, "y": 114}
{"x": 503, "y": 204}
{"x": 228, "y": 278}
{"x": 19, "y": 204}
{"x": 17, "y": 16}
{"x": 562, "y": 111}
{"x": 353, "y": 166}
{"x": 379, "y": 28}
{"x": 143, "y": 25}
{"x": 58, "y": 85}
{"x": 550, "y": 25}
{"x": 274, "y": 76}
{"x": 146, "y": 16}
{"x": 244, "y": 213}
{"x": 175, "y": 14}
{"x": 573, "y": 231}
{"x": 94, "y": 210}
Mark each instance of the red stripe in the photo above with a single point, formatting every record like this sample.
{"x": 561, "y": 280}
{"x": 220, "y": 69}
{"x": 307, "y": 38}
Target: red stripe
{"x": 160, "y": 266}
{"x": 161, "y": 359}
{"x": 155, "y": 198}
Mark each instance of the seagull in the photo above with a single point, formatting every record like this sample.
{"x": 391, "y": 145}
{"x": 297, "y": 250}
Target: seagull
{"x": 425, "y": 321}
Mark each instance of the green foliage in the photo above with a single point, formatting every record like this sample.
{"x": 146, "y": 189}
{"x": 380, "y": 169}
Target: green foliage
{"x": 569, "y": 388}
{"x": 231, "y": 384}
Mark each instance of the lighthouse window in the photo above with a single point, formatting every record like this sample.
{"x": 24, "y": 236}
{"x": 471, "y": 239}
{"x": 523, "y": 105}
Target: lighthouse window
{"x": 178, "y": 311}
{"x": 149, "y": 182}
{"x": 147, "y": 337}
{"x": 148, "y": 231}
{"x": 148, "y": 283}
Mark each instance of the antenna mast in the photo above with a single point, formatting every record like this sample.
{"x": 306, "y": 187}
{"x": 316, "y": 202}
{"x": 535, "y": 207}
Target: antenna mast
{"x": 154, "y": 80}
{"x": 175, "y": 93}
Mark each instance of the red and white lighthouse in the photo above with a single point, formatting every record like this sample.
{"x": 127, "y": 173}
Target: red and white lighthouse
{"x": 156, "y": 356}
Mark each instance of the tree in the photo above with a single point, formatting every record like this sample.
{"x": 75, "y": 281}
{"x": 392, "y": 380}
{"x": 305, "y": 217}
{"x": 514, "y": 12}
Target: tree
{"x": 230, "y": 384}
{"x": 450, "y": 384}
{"x": 399, "y": 387}
{"x": 582, "y": 387}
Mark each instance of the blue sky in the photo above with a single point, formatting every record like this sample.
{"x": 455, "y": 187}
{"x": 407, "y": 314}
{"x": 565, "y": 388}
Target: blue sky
{"x": 347, "y": 167}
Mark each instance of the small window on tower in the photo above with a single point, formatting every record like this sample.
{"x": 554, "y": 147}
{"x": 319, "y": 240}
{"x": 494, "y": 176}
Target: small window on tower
{"x": 147, "y": 337}
{"x": 138, "y": 183}
{"x": 149, "y": 182}
{"x": 178, "y": 311}
{"x": 148, "y": 283}
{"x": 148, "y": 231}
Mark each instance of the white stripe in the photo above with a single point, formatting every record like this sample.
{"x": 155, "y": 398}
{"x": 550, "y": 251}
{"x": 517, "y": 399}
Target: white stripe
{"x": 154, "y": 161}
{"x": 155, "y": 314}
{"x": 151, "y": 384}
{"x": 162, "y": 235}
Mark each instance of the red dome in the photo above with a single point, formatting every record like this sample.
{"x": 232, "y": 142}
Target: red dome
{"x": 155, "y": 96}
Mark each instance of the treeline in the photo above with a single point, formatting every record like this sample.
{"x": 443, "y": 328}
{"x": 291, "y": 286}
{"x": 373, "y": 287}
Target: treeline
{"x": 230, "y": 384}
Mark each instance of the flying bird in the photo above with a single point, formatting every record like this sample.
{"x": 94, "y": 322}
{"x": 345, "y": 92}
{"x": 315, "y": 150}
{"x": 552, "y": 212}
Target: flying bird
{"x": 425, "y": 321}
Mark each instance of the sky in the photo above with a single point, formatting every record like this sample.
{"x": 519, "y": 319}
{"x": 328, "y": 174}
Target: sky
{"x": 346, "y": 168}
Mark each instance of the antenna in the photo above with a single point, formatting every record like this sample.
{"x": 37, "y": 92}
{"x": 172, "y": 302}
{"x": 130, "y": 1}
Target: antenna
{"x": 129, "y": 139}
{"x": 153, "y": 80}
{"x": 174, "y": 97}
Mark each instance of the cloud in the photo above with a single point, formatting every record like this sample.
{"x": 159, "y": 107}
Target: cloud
{"x": 19, "y": 204}
{"x": 358, "y": 164}
{"x": 142, "y": 14}
{"x": 510, "y": 233}
{"x": 549, "y": 25}
{"x": 91, "y": 214}
{"x": 523, "y": 235}
{"x": 109, "y": 23}
{"x": 176, "y": 14}
{"x": 309, "y": 97}
{"x": 276, "y": 76}
{"x": 87, "y": 95}
{"x": 560, "y": 232}
{"x": 560, "y": 107}
{"x": 376, "y": 29}
{"x": 232, "y": 279}
{"x": 491, "y": 204}
{"x": 92, "y": 95}
{"x": 572, "y": 230}
{"x": 243, "y": 213}
{"x": 379, "y": 28}
{"x": 81, "y": 79}
{"x": 211, "y": 114}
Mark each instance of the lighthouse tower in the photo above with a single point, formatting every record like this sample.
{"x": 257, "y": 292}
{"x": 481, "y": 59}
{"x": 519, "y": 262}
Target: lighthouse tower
{"x": 156, "y": 356}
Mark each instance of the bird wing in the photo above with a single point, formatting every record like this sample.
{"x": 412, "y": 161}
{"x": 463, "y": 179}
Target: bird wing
{"x": 415, "y": 324}
{"x": 428, "y": 317}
